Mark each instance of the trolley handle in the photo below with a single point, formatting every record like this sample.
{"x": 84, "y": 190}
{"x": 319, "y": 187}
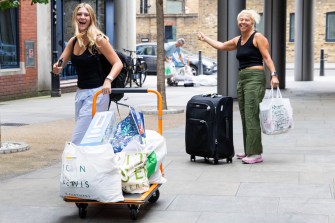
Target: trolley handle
{"x": 129, "y": 90}
{"x": 136, "y": 90}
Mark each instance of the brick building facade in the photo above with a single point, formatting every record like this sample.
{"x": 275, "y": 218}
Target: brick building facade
{"x": 22, "y": 82}
{"x": 201, "y": 15}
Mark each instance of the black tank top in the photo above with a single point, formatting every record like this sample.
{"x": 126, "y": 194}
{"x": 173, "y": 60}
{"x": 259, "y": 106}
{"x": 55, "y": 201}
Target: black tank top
{"x": 87, "y": 69}
{"x": 248, "y": 55}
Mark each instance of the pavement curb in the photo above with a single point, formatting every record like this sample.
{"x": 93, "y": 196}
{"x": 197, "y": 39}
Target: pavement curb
{"x": 154, "y": 111}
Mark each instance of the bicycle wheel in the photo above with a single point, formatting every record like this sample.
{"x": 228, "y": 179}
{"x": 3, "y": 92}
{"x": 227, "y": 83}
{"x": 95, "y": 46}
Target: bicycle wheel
{"x": 141, "y": 74}
{"x": 128, "y": 78}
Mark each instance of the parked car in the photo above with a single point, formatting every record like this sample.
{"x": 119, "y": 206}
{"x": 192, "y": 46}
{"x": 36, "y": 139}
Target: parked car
{"x": 149, "y": 53}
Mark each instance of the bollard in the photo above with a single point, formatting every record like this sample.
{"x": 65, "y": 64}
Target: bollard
{"x": 322, "y": 63}
{"x": 55, "y": 82}
{"x": 200, "y": 71}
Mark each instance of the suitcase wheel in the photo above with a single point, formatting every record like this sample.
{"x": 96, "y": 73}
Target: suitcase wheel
{"x": 229, "y": 160}
{"x": 192, "y": 158}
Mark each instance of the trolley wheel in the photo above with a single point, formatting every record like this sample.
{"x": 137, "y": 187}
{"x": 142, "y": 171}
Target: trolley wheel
{"x": 133, "y": 211}
{"x": 154, "y": 196}
{"x": 216, "y": 161}
{"x": 192, "y": 158}
{"x": 82, "y": 210}
{"x": 229, "y": 160}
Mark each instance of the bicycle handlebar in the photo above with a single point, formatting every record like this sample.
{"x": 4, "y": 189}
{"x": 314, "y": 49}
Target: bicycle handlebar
{"x": 129, "y": 51}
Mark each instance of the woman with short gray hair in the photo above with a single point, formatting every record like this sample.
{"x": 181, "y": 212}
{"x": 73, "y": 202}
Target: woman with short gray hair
{"x": 252, "y": 52}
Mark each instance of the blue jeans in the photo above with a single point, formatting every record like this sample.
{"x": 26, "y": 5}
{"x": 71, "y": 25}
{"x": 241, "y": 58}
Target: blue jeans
{"x": 83, "y": 111}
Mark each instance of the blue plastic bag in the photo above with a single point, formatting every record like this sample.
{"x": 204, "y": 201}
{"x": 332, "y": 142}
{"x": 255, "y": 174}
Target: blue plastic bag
{"x": 130, "y": 128}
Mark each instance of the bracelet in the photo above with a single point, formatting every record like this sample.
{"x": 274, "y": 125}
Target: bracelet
{"x": 110, "y": 78}
{"x": 274, "y": 73}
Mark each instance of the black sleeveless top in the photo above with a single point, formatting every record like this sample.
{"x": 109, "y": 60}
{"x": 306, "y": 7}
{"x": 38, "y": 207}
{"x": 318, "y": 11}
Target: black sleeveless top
{"x": 248, "y": 55}
{"x": 87, "y": 69}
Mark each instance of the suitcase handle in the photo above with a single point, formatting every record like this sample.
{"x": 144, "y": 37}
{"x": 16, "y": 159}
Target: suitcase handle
{"x": 212, "y": 95}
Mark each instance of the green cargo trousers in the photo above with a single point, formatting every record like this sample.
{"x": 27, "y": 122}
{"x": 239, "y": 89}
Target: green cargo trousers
{"x": 250, "y": 92}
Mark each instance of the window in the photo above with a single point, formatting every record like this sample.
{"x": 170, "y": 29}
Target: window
{"x": 144, "y": 6}
{"x": 9, "y": 44}
{"x": 170, "y": 34}
{"x": 260, "y": 26}
{"x": 291, "y": 27}
{"x": 174, "y": 6}
{"x": 330, "y": 27}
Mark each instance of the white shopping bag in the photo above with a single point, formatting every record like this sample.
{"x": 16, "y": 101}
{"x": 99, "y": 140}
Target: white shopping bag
{"x": 133, "y": 172}
{"x": 205, "y": 80}
{"x": 276, "y": 114}
{"x": 157, "y": 150}
{"x": 90, "y": 172}
{"x": 184, "y": 74}
{"x": 170, "y": 69}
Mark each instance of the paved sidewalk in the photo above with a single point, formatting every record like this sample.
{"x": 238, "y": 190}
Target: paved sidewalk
{"x": 294, "y": 184}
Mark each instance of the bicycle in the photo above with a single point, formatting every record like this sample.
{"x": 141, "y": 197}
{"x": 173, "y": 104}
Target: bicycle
{"x": 136, "y": 69}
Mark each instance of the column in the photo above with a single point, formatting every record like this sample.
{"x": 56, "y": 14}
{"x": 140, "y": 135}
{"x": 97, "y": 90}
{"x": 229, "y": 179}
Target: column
{"x": 304, "y": 42}
{"x": 227, "y": 62}
{"x": 125, "y": 24}
{"x": 275, "y": 31}
{"x": 109, "y": 16}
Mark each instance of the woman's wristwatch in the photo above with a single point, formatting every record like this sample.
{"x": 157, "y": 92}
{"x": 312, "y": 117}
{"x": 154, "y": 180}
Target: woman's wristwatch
{"x": 274, "y": 74}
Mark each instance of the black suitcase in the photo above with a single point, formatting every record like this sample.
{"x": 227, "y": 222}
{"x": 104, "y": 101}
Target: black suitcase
{"x": 209, "y": 127}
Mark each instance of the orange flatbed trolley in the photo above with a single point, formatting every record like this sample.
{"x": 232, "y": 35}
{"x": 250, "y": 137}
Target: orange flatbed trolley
{"x": 133, "y": 201}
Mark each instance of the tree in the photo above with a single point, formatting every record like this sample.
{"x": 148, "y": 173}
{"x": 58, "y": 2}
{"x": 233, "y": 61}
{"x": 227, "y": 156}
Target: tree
{"x": 160, "y": 51}
{"x": 7, "y": 4}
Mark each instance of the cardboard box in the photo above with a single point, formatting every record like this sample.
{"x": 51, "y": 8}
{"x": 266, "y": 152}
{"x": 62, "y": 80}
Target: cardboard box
{"x": 100, "y": 130}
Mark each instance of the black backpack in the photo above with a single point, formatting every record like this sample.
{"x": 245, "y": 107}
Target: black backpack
{"x": 105, "y": 67}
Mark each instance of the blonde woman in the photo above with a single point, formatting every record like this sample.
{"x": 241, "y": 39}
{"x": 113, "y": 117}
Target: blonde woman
{"x": 79, "y": 50}
{"x": 252, "y": 53}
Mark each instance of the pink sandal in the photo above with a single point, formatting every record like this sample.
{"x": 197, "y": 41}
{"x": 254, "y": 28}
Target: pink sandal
{"x": 240, "y": 155}
{"x": 252, "y": 159}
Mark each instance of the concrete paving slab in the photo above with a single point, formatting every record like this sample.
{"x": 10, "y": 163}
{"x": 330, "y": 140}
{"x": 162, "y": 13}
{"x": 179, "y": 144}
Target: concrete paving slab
{"x": 330, "y": 158}
{"x": 283, "y": 190}
{"x": 225, "y": 204}
{"x": 261, "y": 218}
{"x": 41, "y": 214}
{"x": 307, "y": 206}
{"x": 317, "y": 178}
{"x": 249, "y": 176}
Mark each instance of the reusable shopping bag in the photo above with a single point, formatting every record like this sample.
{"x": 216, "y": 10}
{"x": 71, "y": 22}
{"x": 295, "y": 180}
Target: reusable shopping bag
{"x": 276, "y": 114}
{"x": 184, "y": 74}
{"x": 90, "y": 172}
{"x": 130, "y": 128}
{"x": 132, "y": 167}
{"x": 170, "y": 69}
{"x": 153, "y": 152}
{"x": 156, "y": 148}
